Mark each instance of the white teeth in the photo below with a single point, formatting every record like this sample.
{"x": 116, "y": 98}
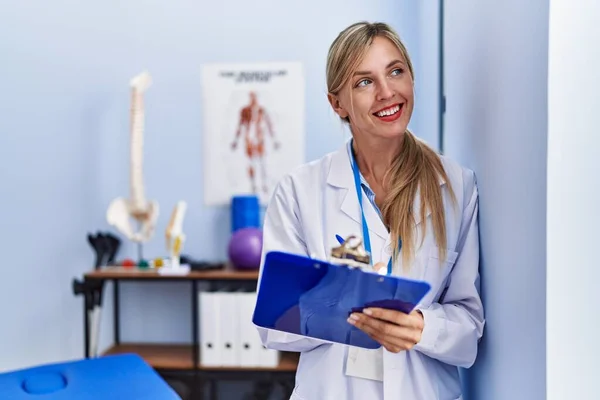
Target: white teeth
{"x": 389, "y": 111}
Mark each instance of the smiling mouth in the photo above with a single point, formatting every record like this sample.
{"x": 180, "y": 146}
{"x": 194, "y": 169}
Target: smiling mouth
{"x": 389, "y": 111}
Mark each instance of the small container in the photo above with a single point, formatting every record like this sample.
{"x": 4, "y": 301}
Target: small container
{"x": 245, "y": 212}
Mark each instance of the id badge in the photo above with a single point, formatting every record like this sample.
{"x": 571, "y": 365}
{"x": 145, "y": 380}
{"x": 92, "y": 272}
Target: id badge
{"x": 364, "y": 363}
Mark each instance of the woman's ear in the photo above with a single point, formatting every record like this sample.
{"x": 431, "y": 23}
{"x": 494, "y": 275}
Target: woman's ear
{"x": 337, "y": 107}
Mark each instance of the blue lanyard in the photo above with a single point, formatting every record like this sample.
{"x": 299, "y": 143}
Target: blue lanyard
{"x": 365, "y": 228}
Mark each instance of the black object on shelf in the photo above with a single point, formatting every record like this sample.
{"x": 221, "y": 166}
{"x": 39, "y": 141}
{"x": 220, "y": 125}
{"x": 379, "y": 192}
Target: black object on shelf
{"x": 106, "y": 246}
{"x": 199, "y": 265}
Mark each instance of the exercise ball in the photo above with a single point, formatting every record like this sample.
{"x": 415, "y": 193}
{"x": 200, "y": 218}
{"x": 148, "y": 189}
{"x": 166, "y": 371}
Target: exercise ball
{"x": 245, "y": 248}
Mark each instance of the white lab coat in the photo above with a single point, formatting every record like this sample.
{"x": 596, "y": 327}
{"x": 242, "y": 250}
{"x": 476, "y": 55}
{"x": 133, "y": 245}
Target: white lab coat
{"x": 317, "y": 201}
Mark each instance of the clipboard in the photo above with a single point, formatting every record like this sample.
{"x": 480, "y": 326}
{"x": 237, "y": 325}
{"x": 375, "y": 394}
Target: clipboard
{"x": 313, "y": 298}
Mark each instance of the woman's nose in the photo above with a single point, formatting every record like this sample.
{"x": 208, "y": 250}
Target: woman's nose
{"x": 385, "y": 91}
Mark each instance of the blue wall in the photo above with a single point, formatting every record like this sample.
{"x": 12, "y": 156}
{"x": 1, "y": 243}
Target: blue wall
{"x": 64, "y": 102}
{"x": 496, "y": 123}
{"x": 427, "y": 85}
{"x": 64, "y": 140}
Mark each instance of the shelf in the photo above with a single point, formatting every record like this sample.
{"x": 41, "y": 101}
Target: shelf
{"x": 122, "y": 273}
{"x": 288, "y": 362}
{"x": 160, "y": 356}
{"x": 181, "y": 357}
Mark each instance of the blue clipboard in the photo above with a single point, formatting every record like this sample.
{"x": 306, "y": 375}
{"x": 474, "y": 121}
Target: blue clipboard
{"x": 314, "y": 298}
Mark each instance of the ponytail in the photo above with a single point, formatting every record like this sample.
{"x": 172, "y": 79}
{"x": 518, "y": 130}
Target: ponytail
{"x": 417, "y": 168}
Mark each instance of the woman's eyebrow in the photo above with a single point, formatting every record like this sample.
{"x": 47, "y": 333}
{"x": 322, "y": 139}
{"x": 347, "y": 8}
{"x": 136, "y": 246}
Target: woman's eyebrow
{"x": 357, "y": 73}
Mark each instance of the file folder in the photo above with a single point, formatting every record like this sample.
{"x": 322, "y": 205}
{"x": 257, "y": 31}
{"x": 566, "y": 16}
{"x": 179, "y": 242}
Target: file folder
{"x": 210, "y": 329}
{"x": 313, "y": 298}
{"x": 229, "y": 329}
{"x": 249, "y": 338}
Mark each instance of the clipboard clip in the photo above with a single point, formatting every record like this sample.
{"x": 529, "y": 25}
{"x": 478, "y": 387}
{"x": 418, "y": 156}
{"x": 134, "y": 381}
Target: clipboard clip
{"x": 352, "y": 255}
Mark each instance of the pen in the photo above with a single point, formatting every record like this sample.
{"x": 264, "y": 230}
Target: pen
{"x": 339, "y": 239}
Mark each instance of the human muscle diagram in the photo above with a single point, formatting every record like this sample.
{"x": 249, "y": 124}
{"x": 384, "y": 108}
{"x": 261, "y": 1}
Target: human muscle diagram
{"x": 254, "y": 124}
{"x": 253, "y": 128}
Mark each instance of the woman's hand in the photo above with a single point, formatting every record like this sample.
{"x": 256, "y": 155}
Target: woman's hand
{"x": 394, "y": 330}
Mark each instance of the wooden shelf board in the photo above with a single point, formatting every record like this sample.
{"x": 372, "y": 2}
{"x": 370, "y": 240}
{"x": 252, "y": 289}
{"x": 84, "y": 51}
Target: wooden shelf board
{"x": 226, "y": 273}
{"x": 181, "y": 357}
{"x": 288, "y": 362}
{"x": 160, "y": 356}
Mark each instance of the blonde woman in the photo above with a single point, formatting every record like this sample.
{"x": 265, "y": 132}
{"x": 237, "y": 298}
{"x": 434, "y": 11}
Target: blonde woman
{"x": 420, "y": 217}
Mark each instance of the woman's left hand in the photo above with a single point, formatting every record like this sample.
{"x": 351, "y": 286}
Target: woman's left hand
{"x": 394, "y": 330}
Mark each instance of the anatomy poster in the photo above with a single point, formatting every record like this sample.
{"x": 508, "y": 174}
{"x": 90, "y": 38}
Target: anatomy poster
{"x": 253, "y": 128}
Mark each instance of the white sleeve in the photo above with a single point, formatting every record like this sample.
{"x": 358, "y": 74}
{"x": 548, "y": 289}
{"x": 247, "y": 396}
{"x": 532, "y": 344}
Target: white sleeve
{"x": 454, "y": 326}
{"x": 283, "y": 231}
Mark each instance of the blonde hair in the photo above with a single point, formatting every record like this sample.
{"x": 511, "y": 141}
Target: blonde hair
{"x": 417, "y": 167}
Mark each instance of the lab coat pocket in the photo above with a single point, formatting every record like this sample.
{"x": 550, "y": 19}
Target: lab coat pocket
{"x": 436, "y": 273}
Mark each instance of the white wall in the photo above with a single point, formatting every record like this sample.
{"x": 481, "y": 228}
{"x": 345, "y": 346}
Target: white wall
{"x": 573, "y": 306}
{"x": 496, "y": 123}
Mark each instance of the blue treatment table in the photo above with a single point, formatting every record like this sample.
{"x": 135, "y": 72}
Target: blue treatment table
{"x": 115, "y": 377}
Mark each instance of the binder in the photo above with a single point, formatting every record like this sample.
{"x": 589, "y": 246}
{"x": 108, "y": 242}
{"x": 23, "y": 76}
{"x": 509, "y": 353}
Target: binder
{"x": 209, "y": 329}
{"x": 267, "y": 358}
{"x": 313, "y": 298}
{"x": 250, "y": 342}
{"x": 227, "y": 336}
{"x": 229, "y": 328}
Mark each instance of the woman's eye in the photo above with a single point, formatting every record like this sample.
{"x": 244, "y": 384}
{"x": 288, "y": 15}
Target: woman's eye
{"x": 397, "y": 71}
{"x": 363, "y": 82}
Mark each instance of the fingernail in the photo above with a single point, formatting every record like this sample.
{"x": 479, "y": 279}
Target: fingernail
{"x": 368, "y": 311}
{"x": 351, "y": 321}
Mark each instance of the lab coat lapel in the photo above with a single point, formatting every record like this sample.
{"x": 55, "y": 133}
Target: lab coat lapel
{"x": 417, "y": 204}
{"x": 373, "y": 219}
{"x": 417, "y": 208}
{"x": 341, "y": 177}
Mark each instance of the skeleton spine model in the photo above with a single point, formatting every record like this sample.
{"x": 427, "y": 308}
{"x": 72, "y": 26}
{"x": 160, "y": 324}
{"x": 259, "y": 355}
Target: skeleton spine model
{"x": 121, "y": 211}
{"x": 138, "y": 200}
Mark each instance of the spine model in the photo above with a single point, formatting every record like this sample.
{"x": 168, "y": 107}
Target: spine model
{"x": 138, "y": 204}
{"x": 122, "y": 211}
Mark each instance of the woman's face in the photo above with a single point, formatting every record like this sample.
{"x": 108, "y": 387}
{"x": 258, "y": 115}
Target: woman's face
{"x": 379, "y": 97}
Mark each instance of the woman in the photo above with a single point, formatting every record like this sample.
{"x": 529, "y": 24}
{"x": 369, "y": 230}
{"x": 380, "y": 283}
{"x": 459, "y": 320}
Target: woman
{"x": 420, "y": 211}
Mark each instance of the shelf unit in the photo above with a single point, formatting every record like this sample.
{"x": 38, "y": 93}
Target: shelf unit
{"x": 181, "y": 357}
{"x": 180, "y": 361}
